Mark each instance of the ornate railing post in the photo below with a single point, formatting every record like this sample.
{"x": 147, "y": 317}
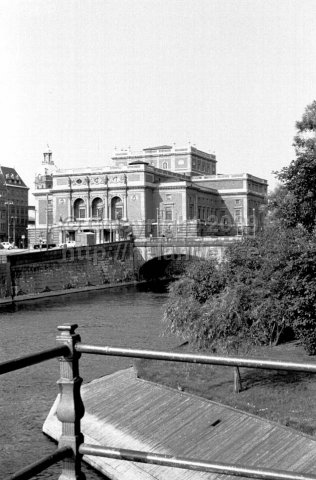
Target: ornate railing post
{"x": 70, "y": 409}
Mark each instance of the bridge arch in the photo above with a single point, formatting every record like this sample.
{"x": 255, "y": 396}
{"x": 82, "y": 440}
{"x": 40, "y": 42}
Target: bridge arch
{"x": 165, "y": 266}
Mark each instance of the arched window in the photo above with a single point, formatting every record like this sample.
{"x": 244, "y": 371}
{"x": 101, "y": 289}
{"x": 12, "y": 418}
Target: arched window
{"x": 79, "y": 208}
{"x": 97, "y": 208}
{"x": 165, "y": 165}
{"x": 116, "y": 208}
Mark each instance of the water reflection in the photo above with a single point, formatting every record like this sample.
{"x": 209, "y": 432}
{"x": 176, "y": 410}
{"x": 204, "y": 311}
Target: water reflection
{"x": 127, "y": 316}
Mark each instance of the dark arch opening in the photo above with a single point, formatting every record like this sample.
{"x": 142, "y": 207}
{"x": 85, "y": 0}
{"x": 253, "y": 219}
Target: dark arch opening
{"x": 165, "y": 267}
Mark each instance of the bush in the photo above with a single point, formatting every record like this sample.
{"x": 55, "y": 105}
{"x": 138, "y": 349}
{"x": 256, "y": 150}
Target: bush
{"x": 265, "y": 287}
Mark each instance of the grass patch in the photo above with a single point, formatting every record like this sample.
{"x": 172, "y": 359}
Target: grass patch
{"x": 285, "y": 397}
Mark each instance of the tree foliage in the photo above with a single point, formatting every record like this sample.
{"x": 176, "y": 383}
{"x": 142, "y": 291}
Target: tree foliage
{"x": 298, "y": 179}
{"x": 281, "y": 207}
{"x": 266, "y": 287}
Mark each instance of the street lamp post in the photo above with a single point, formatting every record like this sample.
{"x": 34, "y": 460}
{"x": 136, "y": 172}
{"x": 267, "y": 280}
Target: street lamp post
{"x": 8, "y": 203}
{"x": 34, "y": 227}
{"x": 3, "y": 204}
{"x": 158, "y": 221}
{"x": 176, "y": 223}
{"x": 47, "y": 221}
{"x": 254, "y": 221}
{"x": 111, "y": 231}
{"x": 13, "y": 227}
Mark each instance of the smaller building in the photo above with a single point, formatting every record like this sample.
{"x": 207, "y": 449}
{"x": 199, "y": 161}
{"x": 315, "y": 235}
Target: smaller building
{"x": 13, "y": 207}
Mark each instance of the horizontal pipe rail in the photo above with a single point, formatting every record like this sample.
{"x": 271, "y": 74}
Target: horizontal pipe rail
{"x": 191, "y": 464}
{"x": 45, "y": 462}
{"x": 196, "y": 358}
{"x": 22, "y": 362}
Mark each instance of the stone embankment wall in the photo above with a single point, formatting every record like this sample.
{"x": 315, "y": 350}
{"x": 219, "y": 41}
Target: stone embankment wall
{"x": 66, "y": 269}
{"x": 5, "y": 279}
{"x": 41, "y": 272}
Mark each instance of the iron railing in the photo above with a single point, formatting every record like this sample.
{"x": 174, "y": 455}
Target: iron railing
{"x": 70, "y": 410}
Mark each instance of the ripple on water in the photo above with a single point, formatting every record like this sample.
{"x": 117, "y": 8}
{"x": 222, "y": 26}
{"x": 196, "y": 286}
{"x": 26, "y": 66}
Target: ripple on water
{"x": 118, "y": 317}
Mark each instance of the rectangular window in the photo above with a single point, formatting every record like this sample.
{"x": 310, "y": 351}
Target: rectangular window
{"x": 118, "y": 213}
{"x": 99, "y": 212}
{"x": 238, "y": 216}
{"x": 82, "y": 212}
{"x": 168, "y": 213}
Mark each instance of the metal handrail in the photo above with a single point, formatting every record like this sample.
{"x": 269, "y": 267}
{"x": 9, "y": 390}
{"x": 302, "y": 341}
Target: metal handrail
{"x": 42, "y": 464}
{"x": 187, "y": 463}
{"x": 190, "y": 463}
{"x": 32, "y": 359}
{"x": 23, "y": 362}
{"x": 71, "y": 410}
{"x": 196, "y": 358}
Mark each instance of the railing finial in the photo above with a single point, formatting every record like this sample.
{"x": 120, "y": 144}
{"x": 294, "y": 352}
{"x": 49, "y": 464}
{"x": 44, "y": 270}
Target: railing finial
{"x": 68, "y": 328}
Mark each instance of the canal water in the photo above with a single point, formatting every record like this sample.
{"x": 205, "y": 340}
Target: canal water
{"x": 126, "y": 316}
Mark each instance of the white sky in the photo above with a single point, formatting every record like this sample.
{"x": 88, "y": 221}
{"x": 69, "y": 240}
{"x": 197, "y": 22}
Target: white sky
{"x": 84, "y": 76}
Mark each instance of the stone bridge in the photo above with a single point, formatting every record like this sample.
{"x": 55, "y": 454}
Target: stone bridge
{"x": 155, "y": 258}
{"x": 41, "y": 272}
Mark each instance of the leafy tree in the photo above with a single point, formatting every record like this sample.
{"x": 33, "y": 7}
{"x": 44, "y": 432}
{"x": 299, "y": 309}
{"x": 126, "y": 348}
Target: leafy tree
{"x": 265, "y": 288}
{"x": 267, "y": 285}
{"x": 299, "y": 177}
{"x": 281, "y": 207}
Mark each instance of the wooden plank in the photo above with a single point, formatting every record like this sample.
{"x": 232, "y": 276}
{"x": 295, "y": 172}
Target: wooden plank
{"x": 125, "y": 412}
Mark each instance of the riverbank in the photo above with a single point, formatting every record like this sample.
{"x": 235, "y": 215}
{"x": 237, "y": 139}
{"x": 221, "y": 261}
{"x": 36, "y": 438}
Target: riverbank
{"x": 38, "y": 272}
{"x": 57, "y": 293}
{"x": 285, "y": 397}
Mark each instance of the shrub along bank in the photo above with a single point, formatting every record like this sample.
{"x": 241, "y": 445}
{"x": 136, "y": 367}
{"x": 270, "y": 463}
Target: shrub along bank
{"x": 263, "y": 293}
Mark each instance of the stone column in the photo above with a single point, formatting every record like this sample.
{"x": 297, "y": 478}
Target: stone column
{"x": 106, "y": 205}
{"x": 185, "y": 206}
{"x": 60, "y": 235}
{"x": 70, "y": 209}
{"x": 196, "y": 206}
{"x": 125, "y": 206}
{"x": 125, "y": 197}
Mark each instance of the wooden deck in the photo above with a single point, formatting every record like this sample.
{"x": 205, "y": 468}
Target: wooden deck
{"x": 125, "y": 412}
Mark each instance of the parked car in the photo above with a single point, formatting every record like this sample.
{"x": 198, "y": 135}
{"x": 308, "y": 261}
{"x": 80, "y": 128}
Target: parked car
{"x": 7, "y": 245}
{"x": 43, "y": 246}
{"x": 70, "y": 243}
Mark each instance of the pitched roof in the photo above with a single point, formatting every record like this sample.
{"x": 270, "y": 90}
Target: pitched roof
{"x": 123, "y": 411}
{"x": 9, "y": 176}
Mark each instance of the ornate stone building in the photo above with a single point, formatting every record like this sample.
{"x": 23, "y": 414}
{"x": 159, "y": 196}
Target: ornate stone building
{"x": 161, "y": 191}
